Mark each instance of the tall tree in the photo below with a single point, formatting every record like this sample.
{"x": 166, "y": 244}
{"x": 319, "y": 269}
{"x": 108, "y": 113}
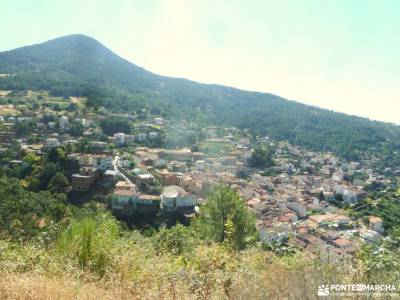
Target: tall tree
{"x": 225, "y": 218}
{"x": 58, "y": 182}
{"x": 262, "y": 157}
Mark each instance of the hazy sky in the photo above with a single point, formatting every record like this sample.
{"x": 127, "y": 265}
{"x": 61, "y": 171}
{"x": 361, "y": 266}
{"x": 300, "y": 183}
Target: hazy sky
{"x": 341, "y": 55}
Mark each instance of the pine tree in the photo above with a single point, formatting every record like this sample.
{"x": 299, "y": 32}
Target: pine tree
{"x": 225, "y": 219}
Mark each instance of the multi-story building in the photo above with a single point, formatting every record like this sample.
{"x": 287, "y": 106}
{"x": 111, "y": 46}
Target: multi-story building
{"x": 175, "y": 199}
{"x": 84, "y": 180}
{"x": 102, "y": 161}
{"x": 51, "y": 143}
{"x": 127, "y": 200}
{"x": 120, "y": 138}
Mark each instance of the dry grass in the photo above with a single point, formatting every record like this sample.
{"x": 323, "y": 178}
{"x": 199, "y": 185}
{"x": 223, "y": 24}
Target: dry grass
{"x": 31, "y": 286}
{"x": 90, "y": 262}
{"x": 211, "y": 275}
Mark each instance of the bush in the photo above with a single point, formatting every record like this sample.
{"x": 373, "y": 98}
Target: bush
{"x": 91, "y": 242}
{"x": 175, "y": 240}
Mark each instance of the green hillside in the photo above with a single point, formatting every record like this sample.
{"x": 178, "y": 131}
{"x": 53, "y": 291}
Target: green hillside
{"x": 78, "y": 65}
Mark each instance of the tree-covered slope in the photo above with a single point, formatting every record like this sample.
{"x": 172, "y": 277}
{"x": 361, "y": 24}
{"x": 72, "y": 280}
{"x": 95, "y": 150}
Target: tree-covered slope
{"x": 79, "y": 65}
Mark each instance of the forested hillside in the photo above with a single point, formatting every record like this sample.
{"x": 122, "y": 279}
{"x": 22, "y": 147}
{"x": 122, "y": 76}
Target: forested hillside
{"x": 78, "y": 65}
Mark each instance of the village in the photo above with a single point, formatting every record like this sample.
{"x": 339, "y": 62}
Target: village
{"x": 164, "y": 167}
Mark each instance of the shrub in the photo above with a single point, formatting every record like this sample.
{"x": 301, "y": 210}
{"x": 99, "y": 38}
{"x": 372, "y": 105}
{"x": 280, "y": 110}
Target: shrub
{"x": 91, "y": 242}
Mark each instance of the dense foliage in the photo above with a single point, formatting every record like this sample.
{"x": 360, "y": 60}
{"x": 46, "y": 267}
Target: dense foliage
{"x": 382, "y": 259}
{"x": 225, "y": 218}
{"x": 115, "y": 125}
{"x": 24, "y": 213}
{"x": 386, "y": 205}
{"x": 262, "y": 157}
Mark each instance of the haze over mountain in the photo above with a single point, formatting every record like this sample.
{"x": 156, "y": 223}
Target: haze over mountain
{"x": 77, "y": 65}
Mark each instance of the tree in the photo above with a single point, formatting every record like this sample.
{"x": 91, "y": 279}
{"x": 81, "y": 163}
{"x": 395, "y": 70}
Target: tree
{"x": 262, "y": 157}
{"x": 76, "y": 129}
{"x": 381, "y": 260}
{"x": 46, "y": 174}
{"x": 225, "y": 218}
{"x": 21, "y": 210}
{"x": 339, "y": 197}
{"x": 152, "y": 187}
{"x": 94, "y": 101}
{"x": 31, "y": 158}
{"x": 23, "y": 128}
{"x": 114, "y": 125}
{"x": 72, "y": 107}
{"x": 56, "y": 155}
{"x": 58, "y": 182}
{"x": 242, "y": 174}
{"x": 175, "y": 240}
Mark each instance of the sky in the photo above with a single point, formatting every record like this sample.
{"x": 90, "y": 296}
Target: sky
{"x": 337, "y": 54}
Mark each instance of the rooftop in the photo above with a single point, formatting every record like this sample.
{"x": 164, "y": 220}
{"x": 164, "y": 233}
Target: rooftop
{"x": 173, "y": 191}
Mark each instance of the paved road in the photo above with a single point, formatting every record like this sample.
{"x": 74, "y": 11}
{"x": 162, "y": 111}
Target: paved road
{"x": 115, "y": 164}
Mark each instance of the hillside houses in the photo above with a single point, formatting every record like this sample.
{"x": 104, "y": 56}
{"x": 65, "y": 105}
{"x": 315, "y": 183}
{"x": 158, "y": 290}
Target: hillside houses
{"x": 301, "y": 199}
{"x": 176, "y": 199}
{"x": 128, "y": 200}
{"x": 85, "y": 179}
{"x": 102, "y": 161}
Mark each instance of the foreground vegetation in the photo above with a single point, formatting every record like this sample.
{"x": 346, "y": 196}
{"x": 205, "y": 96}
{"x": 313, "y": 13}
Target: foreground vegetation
{"x": 52, "y": 250}
{"x": 134, "y": 267}
{"x": 94, "y": 258}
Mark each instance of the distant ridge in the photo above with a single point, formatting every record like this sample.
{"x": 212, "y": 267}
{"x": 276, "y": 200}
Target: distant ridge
{"x": 78, "y": 65}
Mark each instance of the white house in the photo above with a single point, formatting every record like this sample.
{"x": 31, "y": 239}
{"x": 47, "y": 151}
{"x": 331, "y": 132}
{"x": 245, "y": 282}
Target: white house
{"x": 158, "y": 121}
{"x": 51, "y": 143}
{"x": 174, "y": 198}
{"x": 153, "y": 135}
{"x": 351, "y": 196}
{"x": 338, "y": 176}
{"x": 64, "y": 122}
{"x": 273, "y": 234}
{"x": 125, "y": 195}
{"x": 120, "y": 138}
{"x": 200, "y": 165}
{"x": 103, "y": 162}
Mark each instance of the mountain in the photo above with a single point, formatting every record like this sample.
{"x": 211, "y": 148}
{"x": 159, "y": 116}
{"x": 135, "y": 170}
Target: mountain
{"x": 77, "y": 65}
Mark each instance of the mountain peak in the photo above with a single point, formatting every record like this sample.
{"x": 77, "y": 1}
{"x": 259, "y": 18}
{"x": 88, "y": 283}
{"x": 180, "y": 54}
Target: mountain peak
{"x": 75, "y": 36}
{"x": 78, "y": 43}
{"x": 77, "y": 39}
{"x": 56, "y": 49}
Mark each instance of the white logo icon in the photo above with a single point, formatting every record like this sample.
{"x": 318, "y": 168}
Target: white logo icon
{"x": 323, "y": 290}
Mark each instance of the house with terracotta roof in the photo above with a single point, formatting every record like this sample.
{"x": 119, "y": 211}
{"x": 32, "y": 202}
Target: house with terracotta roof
{"x": 326, "y": 219}
{"x": 376, "y": 223}
{"x": 125, "y": 195}
{"x": 128, "y": 200}
{"x": 342, "y": 243}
